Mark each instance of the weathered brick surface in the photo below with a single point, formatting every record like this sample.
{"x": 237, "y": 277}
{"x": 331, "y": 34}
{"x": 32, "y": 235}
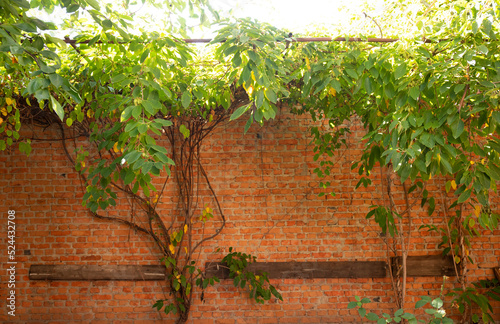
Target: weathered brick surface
{"x": 265, "y": 182}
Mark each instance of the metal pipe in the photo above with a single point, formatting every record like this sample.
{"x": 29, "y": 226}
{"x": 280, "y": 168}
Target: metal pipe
{"x": 295, "y": 39}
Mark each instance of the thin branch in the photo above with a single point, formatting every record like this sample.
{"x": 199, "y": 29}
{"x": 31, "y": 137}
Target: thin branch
{"x": 380, "y": 29}
{"x": 217, "y": 232}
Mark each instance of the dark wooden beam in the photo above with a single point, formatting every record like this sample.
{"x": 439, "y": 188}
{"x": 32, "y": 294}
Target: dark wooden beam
{"x": 426, "y": 266}
{"x": 308, "y": 270}
{"x": 97, "y": 272}
{"x": 417, "y": 266}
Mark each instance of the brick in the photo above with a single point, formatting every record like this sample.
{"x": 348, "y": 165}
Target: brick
{"x": 268, "y": 191}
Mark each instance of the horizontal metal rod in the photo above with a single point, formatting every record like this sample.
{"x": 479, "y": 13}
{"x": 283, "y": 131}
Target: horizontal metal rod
{"x": 296, "y": 39}
{"x": 315, "y": 39}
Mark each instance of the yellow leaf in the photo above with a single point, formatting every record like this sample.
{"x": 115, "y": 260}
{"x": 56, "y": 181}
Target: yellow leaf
{"x": 471, "y": 162}
{"x": 185, "y": 228}
{"x": 333, "y": 92}
{"x": 172, "y": 248}
{"x": 4, "y": 111}
{"x": 257, "y": 277}
{"x": 253, "y": 76}
{"x": 90, "y": 113}
{"x": 457, "y": 260}
{"x": 115, "y": 147}
{"x": 1, "y": 120}
{"x": 439, "y": 157}
{"x": 9, "y": 101}
{"x": 453, "y": 184}
{"x": 83, "y": 164}
{"x": 482, "y": 161}
{"x": 477, "y": 210}
{"x": 307, "y": 63}
{"x": 250, "y": 90}
{"x": 186, "y": 249}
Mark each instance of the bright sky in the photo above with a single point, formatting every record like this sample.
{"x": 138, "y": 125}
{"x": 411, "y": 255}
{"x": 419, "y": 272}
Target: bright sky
{"x": 292, "y": 15}
{"x": 296, "y": 15}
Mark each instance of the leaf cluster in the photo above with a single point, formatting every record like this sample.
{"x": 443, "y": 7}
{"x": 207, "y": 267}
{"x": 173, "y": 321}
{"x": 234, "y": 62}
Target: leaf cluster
{"x": 258, "y": 286}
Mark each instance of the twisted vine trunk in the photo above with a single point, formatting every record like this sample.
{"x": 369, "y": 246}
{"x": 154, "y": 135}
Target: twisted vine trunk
{"x": 189, "y": 173}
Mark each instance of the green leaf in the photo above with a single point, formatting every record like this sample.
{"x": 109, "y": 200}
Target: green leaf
{"x": 94, "y": 4}
{"x": 352, "y": 305}
{"x": 430, "y": 311}
{"x": 437, "y": 303}
{"x": 236, "y": 60}
{"x": 127, "y": 112}
{"x": 400, "y": 71}
{"x": 240, "y": 111}
{"x": 184, "y": 131}
{"x": 107, "y": 24}
{"x": 389, "y": 90}
{"x": 372, "y": 317}
{"x": 259, "y": 98}
{"x": 421, "y": 303}
{"x": 165, "y": 159}
{"x": 129, "y": 177}
{"x": 464, "y": 196}
{"x": 408, "y": 316}
{"x": 163, "y": 122}
{"x": 458, "y": 128}
{"x": 352, "y": 73}
{"x": 362, "y": 312}
{"x": 414, "y": 93}
{"x": 56, "y": 80}
{"x": 487, "y": 26}
{"x": 118, "y": 78}
{"x": 131, "y": 157}
{"x": 56, "y": 106}
{"x": 144, "y": 55}
{"x": 186, "y": 99}
{"x": 271, "y": 95}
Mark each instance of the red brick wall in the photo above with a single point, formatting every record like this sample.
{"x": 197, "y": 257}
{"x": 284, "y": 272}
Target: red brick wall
{"x": 265, "y": 182}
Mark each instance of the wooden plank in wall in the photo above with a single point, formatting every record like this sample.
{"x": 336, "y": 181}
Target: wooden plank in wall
{"x": 97, "y": 272}
{"x": 418, "y": 266}
{"x": 427, "y": 266}
{"x": 497, "y": 273}
{"x": 308, "y": 270}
